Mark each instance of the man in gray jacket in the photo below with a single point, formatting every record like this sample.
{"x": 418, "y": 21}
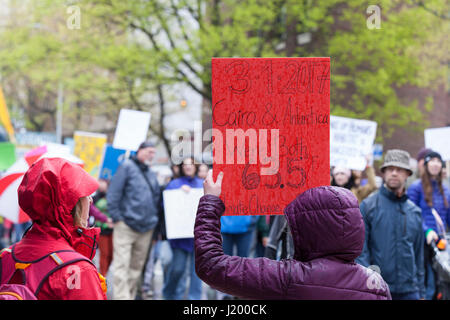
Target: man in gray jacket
{"x": 134, "y": 202}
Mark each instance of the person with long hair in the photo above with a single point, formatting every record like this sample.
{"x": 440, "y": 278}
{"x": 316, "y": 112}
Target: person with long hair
{"x": 430, "y": 193}
{"x": 183, "y": 249}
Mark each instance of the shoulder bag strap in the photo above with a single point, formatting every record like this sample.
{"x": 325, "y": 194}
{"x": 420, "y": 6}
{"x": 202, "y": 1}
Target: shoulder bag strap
{"x": 145, "y": 178}
{"x": 439, "y": 222}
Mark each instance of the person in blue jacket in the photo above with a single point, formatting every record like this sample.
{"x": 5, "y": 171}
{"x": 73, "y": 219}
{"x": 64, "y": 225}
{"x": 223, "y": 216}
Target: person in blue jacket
{"x": 237, "y": 235}
{"x": 393, "y": 225}
{"x": 429, "y": 193}
{"x": 183, "y": 249}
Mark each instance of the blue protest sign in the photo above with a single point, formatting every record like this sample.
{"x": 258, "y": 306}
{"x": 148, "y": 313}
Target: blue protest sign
{"x": 112, "y": 158}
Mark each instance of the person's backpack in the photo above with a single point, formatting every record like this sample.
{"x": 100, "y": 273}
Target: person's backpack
{"x": 22, "y": 280}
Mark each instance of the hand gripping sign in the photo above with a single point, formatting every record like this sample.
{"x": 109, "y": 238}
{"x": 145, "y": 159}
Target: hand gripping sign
{"x": 271, "y": 129}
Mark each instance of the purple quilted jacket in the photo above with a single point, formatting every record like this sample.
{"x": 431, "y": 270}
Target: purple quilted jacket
{"x": 328, "y": 234}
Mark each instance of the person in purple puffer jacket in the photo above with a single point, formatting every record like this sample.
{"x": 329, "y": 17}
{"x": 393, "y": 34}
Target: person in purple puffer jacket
{"x": 328, "y": 234}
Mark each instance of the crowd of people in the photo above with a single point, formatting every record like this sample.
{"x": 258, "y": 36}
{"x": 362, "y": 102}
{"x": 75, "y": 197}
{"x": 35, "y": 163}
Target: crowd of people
{"x": 390, "y": 224}
{"x": 387, "y": 229}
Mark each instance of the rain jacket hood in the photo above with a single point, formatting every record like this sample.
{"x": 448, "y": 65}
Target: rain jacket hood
{"x": 48, "y": 192}
{"x": 326, "y": 222}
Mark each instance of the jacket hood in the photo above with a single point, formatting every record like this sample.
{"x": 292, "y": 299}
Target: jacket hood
{"x": 326, "y": 222}
{"x": 49, "y": 191}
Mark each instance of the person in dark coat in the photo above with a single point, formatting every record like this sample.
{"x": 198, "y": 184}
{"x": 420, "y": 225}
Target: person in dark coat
{"x": 328, "y": 234}
{"x": 394, "y": 236}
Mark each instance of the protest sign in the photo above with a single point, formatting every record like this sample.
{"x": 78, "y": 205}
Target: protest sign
{"x": 180, "y": 210}
{"x": 7, "y": 155}
{"x": 437, "y": 140}
{"x": 377, "y": 151}
{"x": 351, "y": 140}
{"x": 270, "y": 130}
{"x": 132, "y": 128}
{"x": 112, "y": 158}
{"x": 4, "y": 117}
{"x": 88, "y": 147}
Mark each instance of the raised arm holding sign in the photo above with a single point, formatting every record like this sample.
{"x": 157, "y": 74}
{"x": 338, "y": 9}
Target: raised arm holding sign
{"x": 328, "y": 234}
{"x": 252, "y": 97}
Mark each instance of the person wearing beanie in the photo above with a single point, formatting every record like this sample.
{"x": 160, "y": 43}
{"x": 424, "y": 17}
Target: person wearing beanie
{"x": 394, "y": 236}
{"x": 134, "y": 202}
{"x": 419, "y": 167}
{"x": 420, "y": 160}
{"x": 430, "y": 193}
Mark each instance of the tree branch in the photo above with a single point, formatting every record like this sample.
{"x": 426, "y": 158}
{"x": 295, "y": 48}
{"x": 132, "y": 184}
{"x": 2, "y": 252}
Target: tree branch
{"x": 162, "y": 111}
{"x": 172, "y": 42}
{"x": 421, "y": 4}
{"x": 174, "y": 66}
{"x": 133, "y": 99}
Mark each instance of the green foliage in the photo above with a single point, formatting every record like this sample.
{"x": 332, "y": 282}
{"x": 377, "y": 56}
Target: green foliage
{"x": 128, "y": 49}
{"x": 373, "y": 64}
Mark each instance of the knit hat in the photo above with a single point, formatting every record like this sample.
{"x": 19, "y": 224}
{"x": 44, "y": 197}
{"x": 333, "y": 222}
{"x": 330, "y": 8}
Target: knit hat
{"x": 397, "y": 158}
{"x": 146, "y": 144}
{"x": 422, "y": 153}
{"x": 431, "y": 155}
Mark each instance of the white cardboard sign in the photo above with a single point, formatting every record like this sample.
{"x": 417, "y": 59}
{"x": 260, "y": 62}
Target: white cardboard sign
{"x": 351, "y": 140}
{"x": 437, "y": 139}
{"x": 180, "y": 208}
{"x": 132, "y": 128}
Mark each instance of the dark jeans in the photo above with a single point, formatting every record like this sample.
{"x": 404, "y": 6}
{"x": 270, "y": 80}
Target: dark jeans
{"x": 405, "y": 296}
{"x": 176, "y": 274}
{"x": 242, "y": 241}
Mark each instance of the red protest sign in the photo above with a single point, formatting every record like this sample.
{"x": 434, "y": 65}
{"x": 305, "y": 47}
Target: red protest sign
{"x": 271, "y": 124}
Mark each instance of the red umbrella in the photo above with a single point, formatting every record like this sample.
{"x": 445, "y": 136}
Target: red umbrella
{"x": 9, "y": 183}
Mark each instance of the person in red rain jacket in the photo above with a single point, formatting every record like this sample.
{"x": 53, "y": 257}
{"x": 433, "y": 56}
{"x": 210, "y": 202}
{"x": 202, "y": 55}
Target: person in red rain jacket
{"x": 55, "y": 194}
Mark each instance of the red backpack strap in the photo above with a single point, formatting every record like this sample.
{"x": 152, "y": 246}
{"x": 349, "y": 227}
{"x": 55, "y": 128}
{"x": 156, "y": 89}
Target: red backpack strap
{"x": 36, "y": 272}
{"x": 46, "y": 267}
{"x": 5, "y": 263}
